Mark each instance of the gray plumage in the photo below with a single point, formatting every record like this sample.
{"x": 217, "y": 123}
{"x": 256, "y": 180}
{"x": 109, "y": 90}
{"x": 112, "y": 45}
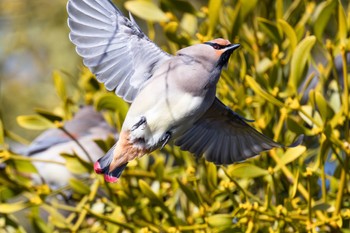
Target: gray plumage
{"x": 224, "y": 137}
{"x": 112, "y": 46}
{"x": 86, "y": 126}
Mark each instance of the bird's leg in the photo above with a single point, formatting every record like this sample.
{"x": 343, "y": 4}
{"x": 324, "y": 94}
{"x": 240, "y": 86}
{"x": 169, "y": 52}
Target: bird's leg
{"x": 165, "y": 139}
{"x": 139, "y": 123}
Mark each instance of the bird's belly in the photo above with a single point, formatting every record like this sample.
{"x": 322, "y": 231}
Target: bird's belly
{"x": 174, "y": 114}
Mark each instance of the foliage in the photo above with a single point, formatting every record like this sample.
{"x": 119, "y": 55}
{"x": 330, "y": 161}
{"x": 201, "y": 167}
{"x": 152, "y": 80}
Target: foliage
{"x": 287, "y": 75}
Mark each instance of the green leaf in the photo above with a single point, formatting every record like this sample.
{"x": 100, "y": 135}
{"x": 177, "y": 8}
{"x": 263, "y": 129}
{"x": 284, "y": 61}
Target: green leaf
{"x": 290, "y": 33}
{"x": 78, "y": 186}
{"x": 2, "y": 134}
{"x": 6, "y": 192}
{"x": 190, "y": 193}
{"x": 247, "y": 7}
{"x": 321, "y": 17}
{"x": 49, "y": 115}
{"x": 171, "y": 31}
{"x": 59, "y": 85}
{"x": 214, "y": 11}
{"x": 270, "y": 29}
{"x": 76, "y": 165}
{"x": 259, "y": 91}
{"x": 189, "y": 23}
{"x": 24, "y": 166}
{"x": 212, "y": 175}
{"x": 296, "y": 127}
{"x": 292, "y": 154}
{"x": 147, "y": 191}
{"x": 40, "y": 226}
{"x": 181, "y": 5}
{"x": 233, "y": 18}
{"x": 56, "y": 218}
{"x": 158, "y": 168}
{"x": 35, "y": 122}
{"x": 264, "y": 65}
{"x": 220, "y": 220}
{"x": 279, "y": 9}
{"x": 111, "y": 102}
{"x": 324, "y": 109}
{"x": 9, "y": 208}
{"x": 295, "y": 185}
{"x": 298, "y": 63}
{"x": 312, "y": 114}
{"x": 146, "y": 10}
{"x": 322, "y": 206}
{"x": 342, "y": 24}
{"x": 246, "y": 170}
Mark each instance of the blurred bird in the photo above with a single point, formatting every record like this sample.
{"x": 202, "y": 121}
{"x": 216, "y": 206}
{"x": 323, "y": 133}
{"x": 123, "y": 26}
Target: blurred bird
{"x": 173, "y": 97}
{"x": 86, "y": 126}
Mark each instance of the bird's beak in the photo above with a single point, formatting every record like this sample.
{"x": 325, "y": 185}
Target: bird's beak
{"x": 232, "y": 47}
{"x": 226, "y": 54}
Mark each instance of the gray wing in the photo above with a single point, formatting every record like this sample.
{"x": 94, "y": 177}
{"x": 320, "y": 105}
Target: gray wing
{"x": 224, "y": 137}
{"x": 112, "y": 46}
{"x": 86, "y": 122}
{"x": 46, "y": 140}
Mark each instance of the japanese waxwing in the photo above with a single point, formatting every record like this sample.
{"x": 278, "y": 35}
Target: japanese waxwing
{"x": 172, "y": 97}
{"x": 86, "y": 126}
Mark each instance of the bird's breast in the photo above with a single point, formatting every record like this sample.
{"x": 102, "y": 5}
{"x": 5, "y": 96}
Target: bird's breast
{"x": 169, "y": 102}
{"x": 169, "y": 113}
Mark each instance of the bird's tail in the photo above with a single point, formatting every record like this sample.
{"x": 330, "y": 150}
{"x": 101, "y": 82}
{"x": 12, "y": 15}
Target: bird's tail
{"x": 102, "y": 166}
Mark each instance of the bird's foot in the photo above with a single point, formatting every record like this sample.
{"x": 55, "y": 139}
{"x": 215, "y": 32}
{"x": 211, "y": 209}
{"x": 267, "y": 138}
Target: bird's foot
{"x": 165, "y": 139}
{"x": 139, "y": 123}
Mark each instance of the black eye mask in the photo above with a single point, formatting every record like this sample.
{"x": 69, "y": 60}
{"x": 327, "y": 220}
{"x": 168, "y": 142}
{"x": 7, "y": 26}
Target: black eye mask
{"x": 216, "y": 45}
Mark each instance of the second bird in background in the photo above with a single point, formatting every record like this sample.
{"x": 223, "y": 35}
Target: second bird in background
{"x": 86, "y": 126}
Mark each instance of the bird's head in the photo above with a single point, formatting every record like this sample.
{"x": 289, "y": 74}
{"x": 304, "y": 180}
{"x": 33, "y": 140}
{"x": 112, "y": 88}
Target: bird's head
{"x": 214, "y": 53}
{"x": 222, "y": 50}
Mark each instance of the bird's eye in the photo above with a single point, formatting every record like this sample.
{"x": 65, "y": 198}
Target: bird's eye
{"x": 216, "y": 46}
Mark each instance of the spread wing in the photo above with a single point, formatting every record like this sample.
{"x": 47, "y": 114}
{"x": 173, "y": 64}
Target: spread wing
{"x": 113, "y": 46}
{"x": 224, "y": 137}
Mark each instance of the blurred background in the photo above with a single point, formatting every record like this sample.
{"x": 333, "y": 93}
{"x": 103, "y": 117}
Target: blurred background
{"x": 33, "y": 43}
{"x": 288, "y": 75}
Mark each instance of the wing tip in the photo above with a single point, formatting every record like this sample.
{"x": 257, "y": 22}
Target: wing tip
{"x": 297, "y": 142}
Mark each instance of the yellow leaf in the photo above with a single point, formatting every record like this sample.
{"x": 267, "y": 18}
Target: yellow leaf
{"x": 342, "y": 24}
{"x": 146, "y": 10}
{"x": 9, "y": 208}
{"x": 220, "y": 220}
{"x": 298, "y": 62}
{"x": 292, "y": 154}
{"x": 246, "y": 170}
{"x": 259, "y": 91}
{"x": 214, "y": 11}
{"x": 35, "y": 122}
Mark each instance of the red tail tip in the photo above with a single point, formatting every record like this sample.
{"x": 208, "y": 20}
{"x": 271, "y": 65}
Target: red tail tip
{"x": 110, "y": 179}
{"x": 97, "y": 168}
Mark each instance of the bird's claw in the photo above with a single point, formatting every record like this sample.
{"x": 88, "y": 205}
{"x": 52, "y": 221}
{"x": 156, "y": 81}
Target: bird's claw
{"x": 139, "y": 123}
{"x": 165, "y": 139}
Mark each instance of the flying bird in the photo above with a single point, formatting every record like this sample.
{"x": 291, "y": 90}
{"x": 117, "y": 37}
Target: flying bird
{"x": 172, "y": 96}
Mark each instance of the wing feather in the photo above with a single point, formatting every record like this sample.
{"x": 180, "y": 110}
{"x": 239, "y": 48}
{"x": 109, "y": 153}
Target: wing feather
{"x": 224, "y": 137}
{"x": 113, "y": 46}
